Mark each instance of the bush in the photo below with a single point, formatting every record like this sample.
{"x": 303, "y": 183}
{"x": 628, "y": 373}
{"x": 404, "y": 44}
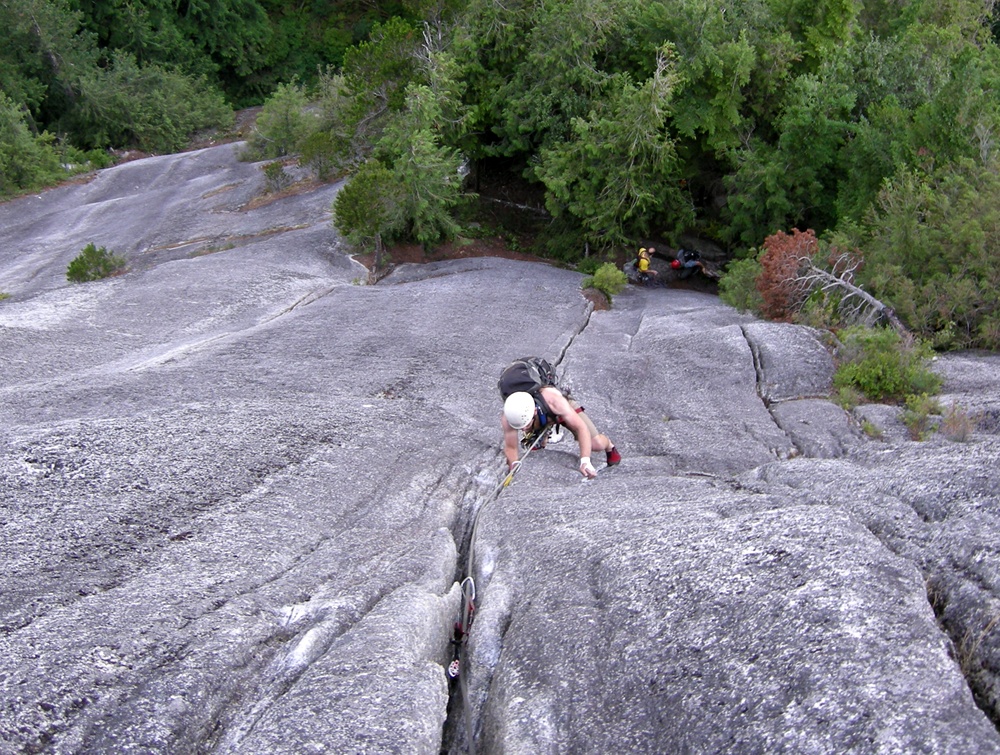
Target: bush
{"x": 917, "y": 415}
{"x": 276, "y": 177}
{"x": 283, "y": 124}
{"x": 738, "y": 286}
{"x": 27, "y": 161}
{"x": 588, "y": 265}
{"x": 957, "y": 424}
{"x": 848, "y": 397}
{"x": 872, "y": 430}
{"x": 607, "y": 279}
{"x": 94, "y": 263}
{"x": 877, "y": 362}
{"x": 145, "y": 105}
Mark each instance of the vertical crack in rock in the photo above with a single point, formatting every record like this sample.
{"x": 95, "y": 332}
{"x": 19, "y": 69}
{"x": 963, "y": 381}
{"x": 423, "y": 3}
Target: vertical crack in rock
{"x": 456, "y": 736}
{"x": 569, "y": 342}
{"x": 970, "y": 635}
{"x": 759, "y": 371}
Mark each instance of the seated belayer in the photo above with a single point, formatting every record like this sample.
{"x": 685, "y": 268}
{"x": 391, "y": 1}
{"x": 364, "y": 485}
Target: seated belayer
{"x": 687, "y": 261}
{"x": 533, "y": 405}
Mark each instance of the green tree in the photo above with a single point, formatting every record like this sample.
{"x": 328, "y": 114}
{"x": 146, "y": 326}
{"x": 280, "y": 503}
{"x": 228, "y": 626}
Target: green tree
{"x": 793, "y": 182}
{"x": 427, "y": 172}
{"x": 619, "y": 174}
{"x": 320, "y": 154}
{"x": 534, "y": 67}
{"x": 821, "y": 26}
{"x": 145, "y": 106}
{"x": 43, "y": 57}
{"x": 226, "y": 38}
{"x": 717, "y": 53}
{"x": 26, "y": 161}
{"x": 335, "y": 108}
{"x": 924, "y": 98}
{"x": 233, "y": 34}
{"x": 283, "y": 123}
{"x": 368, "y": 210}
{"x": 377, "y": 72}
{"x": 930, "y": 248}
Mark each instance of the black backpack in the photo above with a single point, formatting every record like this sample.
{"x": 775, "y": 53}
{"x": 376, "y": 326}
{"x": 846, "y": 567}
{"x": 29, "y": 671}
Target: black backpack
{"x": 528, "y": 374}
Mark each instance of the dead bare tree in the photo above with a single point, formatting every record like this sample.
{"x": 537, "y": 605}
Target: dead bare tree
{"x": 856, "y": 304}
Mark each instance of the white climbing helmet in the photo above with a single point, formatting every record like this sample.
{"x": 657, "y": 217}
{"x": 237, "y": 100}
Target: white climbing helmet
{"x": 519, "y": 409}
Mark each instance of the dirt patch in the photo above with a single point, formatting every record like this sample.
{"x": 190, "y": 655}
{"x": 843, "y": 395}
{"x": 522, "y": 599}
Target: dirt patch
{"x": 268, "y": 197}
{"x": 597, "y": 298}
{"x": 460, "y": 248}
{"x": 244, "y": 122}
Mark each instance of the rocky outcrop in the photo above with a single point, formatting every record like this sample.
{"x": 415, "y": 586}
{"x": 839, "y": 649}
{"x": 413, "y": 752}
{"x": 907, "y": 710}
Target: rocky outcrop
{"x": 238, "y": 492}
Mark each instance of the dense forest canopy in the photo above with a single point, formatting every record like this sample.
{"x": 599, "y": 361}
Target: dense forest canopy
{"x": 871, "y": 123}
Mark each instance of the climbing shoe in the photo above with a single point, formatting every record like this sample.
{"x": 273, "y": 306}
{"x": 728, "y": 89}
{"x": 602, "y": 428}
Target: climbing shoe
{"x": 613, "y": 457}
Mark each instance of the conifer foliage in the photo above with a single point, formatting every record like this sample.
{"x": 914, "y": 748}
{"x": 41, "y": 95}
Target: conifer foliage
{"x": 873, "y": 124}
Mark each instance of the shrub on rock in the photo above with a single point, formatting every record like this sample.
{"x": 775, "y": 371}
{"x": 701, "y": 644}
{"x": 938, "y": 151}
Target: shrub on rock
{"x": 94, "y": 263}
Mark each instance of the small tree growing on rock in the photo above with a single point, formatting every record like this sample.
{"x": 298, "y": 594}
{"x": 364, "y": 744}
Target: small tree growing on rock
{"x": 94, "y": 263}
{"x": 607, "y": 279}
{"x": 276, "y": 178}
{"x": 319, "y": 153}
{"x": 369, "y": 209}
{"x": 282, "y": 125}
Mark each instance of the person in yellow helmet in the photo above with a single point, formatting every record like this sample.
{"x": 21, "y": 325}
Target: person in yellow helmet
{"x": 646, "y": 273}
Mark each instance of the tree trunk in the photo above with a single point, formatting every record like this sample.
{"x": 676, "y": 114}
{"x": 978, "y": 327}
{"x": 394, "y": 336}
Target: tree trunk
{"x": 814, "y": 276}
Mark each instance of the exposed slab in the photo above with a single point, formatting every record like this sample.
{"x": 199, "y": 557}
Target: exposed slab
{"x": 236, "y": 490}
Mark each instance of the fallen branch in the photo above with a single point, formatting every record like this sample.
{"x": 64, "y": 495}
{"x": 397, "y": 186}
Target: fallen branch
{"x": 856, "y": 304}
{"x": 507, "y": 203}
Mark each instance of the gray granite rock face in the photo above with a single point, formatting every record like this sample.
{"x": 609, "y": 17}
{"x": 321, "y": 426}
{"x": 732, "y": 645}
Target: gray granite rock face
{"x": 238, "y": 490}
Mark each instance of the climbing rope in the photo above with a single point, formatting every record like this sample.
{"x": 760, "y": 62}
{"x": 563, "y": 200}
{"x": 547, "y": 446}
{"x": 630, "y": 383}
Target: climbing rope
{"x": 468, "y": 585}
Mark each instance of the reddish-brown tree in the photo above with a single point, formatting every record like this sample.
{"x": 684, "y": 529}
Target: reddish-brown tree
{"x": 779, "y": 283}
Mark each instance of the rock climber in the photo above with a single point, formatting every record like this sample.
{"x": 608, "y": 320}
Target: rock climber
{"x": 533, "y": 404}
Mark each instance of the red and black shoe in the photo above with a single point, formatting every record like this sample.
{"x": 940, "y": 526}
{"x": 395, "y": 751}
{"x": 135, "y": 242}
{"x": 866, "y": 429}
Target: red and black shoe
{"x": 613, "y": 456}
